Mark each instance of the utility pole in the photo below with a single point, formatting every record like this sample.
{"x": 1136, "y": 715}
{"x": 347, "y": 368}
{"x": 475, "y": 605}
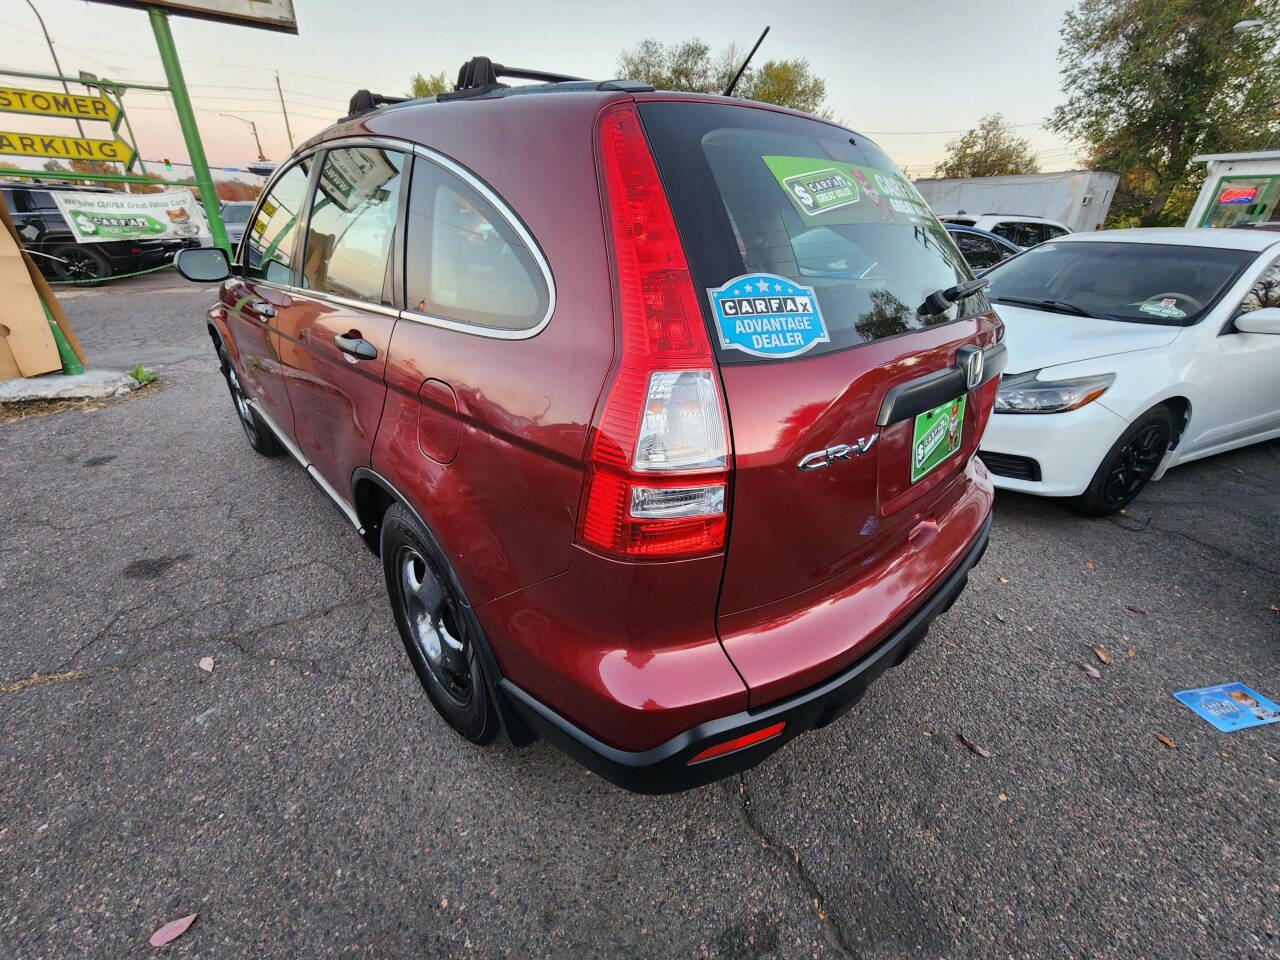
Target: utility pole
{"x": 190, "y": 132}
{"x": 280, "y": 91}
{"x": 57, "y": 66}
{"x": 252, "y": 126}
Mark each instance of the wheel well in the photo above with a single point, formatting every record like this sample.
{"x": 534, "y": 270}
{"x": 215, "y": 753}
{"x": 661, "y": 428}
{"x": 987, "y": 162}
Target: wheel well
{"x": 1181, "y": 408}
{"x": 371, "y": 501}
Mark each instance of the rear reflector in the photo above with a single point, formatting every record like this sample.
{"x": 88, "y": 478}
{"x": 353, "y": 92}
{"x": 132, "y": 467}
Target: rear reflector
{"x": 739, "y": 743}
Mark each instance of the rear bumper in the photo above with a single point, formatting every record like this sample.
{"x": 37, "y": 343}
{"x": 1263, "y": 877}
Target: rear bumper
{"x": 666, "y": 768}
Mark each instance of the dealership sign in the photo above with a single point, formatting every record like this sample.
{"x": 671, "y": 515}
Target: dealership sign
{"x": 270, "y": 14}
{"x": 99, "y": 217}
{"x": 46, "y": 103}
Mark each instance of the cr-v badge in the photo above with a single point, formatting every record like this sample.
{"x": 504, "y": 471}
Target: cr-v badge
{"x": 841, "y": 451}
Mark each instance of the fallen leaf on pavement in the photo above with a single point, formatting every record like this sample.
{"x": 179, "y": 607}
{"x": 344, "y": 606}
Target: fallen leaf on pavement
{"x": 1102, "y": 655}
{"x": 1130, "y": 654}
{"x": 1088, "y": 564}
{"x": 1003, "y": 579}
{"x": 206, "y": 664}
{"x": 172, "y": 930}
{"x": 1166, "y": 741}
{"x": 1137, "y": 610}
{"x": 980, "y": 751}
{"x": 1275, "y": 609}
{"x": 1001, "y": 618}
{"x": 1092, "y": 671}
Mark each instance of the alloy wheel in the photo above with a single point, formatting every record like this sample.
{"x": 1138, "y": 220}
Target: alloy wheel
{"x": 433, "y": 625}
{"x": 1135, "y": 463}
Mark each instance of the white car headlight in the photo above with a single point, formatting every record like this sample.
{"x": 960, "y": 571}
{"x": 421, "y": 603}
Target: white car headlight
{"x": 1025, "y": 394}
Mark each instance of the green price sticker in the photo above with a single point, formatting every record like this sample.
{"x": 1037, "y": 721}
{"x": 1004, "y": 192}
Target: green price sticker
{"x": 936, "y": 437}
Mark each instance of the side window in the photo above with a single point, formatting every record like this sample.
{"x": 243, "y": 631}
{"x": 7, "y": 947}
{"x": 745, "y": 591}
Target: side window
{"x": 979, "y": 252}
{"x": 1008, "y": 230}
{"x": 464, "y": 261}
{"x": 1265, "y": 292}
{"x": 41, "y": 200}
{"x": 1054, "y": 232}
{"x": 353, "y": 219}
{"x": 270, "y": 243}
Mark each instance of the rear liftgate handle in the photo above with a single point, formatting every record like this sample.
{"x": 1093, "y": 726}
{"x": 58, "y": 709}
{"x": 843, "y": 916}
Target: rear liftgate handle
{"x": 354, "y": 345}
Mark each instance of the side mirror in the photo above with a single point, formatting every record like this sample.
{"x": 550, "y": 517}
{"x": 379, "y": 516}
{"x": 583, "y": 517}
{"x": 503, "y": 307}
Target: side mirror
{"x": 203, "y": 264}
{"x": 1266, "y": 320}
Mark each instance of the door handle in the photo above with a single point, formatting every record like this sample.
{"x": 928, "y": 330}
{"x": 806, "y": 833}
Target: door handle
{"x": 262, "y": 308}
{"x": 354, "y": 345}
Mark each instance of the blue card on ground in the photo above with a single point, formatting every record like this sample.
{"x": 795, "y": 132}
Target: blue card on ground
{"x": 1230, "y": 706}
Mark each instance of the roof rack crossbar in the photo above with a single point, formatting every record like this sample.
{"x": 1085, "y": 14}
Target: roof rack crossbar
{"x": 483, "y": 72}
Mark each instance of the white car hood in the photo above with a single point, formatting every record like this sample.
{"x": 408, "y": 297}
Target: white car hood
{"x": 1039, "y": 338}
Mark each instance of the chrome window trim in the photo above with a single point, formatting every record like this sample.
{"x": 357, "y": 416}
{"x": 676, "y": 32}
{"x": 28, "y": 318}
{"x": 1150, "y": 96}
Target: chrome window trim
{"x": 307, "y": 293}
{"x": 462, "y": 173}
{"x": 507, "y": 214}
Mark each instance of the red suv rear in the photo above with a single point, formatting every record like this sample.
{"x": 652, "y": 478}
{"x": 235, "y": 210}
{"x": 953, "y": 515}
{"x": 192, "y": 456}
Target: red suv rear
{"x": 660, "y": 410}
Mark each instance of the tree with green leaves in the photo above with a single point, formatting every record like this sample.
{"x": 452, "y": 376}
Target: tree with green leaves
{"x": 991, "y": 149}
{"x": 691, "y": 65}
{"x": 1152, "y": 83}
{"x": 421, "y": 86}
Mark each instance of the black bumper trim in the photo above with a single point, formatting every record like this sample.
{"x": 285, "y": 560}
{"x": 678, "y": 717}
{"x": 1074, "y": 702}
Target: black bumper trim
{"x": 665, "y": 768}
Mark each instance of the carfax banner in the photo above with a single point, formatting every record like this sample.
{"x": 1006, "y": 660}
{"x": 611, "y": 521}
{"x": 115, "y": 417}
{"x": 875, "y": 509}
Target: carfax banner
{"x": 99, "y": 217}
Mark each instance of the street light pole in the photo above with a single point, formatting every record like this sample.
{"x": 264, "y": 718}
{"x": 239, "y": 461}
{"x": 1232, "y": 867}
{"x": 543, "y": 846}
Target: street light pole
{"x": 53, "y": 53}
{"x": 252, "y": 126}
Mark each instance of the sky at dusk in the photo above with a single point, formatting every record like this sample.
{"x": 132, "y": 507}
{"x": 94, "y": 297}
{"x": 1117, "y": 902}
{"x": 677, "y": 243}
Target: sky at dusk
{"x": 913, "y": 74}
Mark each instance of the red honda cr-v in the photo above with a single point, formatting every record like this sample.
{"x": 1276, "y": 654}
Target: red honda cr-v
{"x": 659, "y": 409}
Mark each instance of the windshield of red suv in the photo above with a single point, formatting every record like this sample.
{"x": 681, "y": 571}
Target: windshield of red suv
{"x": 808, "y": 210}
{"x": 1172, "y": 285}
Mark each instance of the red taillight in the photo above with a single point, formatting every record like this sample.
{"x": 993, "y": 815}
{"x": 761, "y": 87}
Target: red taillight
{"x": 657, "y": 461}
{"x": 739, "y": 743}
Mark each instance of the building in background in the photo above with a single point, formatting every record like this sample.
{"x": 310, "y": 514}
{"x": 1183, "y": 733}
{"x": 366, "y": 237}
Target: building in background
{"x": 1078, "y": 199}
{"x": 1240, "y": 189}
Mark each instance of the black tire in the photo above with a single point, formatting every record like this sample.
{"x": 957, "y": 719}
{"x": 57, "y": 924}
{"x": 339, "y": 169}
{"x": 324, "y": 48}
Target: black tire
{"x": 80, "y": 262}
{"x": 259, "y": 434}
{"x": 438, "y": 631}
{"x": 1129, "y": 464}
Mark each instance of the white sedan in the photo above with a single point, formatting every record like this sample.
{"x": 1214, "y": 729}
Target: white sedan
{"x": 1130, "y": 352}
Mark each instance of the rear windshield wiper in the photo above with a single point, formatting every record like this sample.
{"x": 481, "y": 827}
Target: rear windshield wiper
{"x": 1057, "y": 306}
{"x": 939, "y": 300}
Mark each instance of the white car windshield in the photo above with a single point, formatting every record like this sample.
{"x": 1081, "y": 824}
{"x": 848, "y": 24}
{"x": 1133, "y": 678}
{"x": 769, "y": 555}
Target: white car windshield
{"x": 1174, "y": 285}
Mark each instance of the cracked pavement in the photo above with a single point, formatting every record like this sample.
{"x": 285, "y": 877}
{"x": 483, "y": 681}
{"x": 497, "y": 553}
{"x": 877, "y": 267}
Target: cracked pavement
{"x": 306, "y": 801}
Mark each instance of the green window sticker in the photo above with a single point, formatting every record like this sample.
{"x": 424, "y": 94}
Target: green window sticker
{"x": 937, "y": 436}
{"x": 835, "y": 192}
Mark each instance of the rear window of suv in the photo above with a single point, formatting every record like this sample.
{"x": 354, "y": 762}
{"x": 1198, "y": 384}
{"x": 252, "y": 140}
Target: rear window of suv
{"x": 755, "y": 192}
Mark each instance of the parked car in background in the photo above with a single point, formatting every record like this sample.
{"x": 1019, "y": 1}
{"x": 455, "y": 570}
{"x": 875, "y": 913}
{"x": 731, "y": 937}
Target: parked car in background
{"x": 235, "y": 214}
{"x": 981, "y": 249}
{"x": 1023, "y": 232}
{"x": 1130, "y": 352}
{"x": 669, "y": 493}
{"x": 55, "y": 248}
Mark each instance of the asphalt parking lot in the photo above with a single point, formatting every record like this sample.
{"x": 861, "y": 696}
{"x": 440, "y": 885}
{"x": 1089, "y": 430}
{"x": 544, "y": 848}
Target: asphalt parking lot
{"x": 305, "y": 800}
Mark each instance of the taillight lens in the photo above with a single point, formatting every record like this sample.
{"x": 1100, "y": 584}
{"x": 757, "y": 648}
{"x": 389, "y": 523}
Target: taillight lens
{"x": 658, "y": 458}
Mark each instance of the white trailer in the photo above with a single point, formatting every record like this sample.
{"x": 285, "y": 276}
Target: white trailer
{"x": 1078, "y": 199}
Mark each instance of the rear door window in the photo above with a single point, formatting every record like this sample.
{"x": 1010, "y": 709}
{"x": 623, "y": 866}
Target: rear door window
{"x": 981, "y": 253}
{"x": 353, "y": 220}
{"x": 809, "y": 211}
{"x": 270, "y": 243}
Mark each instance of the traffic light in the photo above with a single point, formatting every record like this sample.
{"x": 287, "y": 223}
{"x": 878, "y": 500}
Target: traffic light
{"x": 167, "y": 164}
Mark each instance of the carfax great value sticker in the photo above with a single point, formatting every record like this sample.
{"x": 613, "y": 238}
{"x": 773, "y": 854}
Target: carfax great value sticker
{"x": 767, "y": 316}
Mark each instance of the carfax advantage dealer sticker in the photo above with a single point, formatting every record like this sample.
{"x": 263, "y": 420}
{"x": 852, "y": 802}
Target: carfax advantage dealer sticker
{"x": 767, "y": 316}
